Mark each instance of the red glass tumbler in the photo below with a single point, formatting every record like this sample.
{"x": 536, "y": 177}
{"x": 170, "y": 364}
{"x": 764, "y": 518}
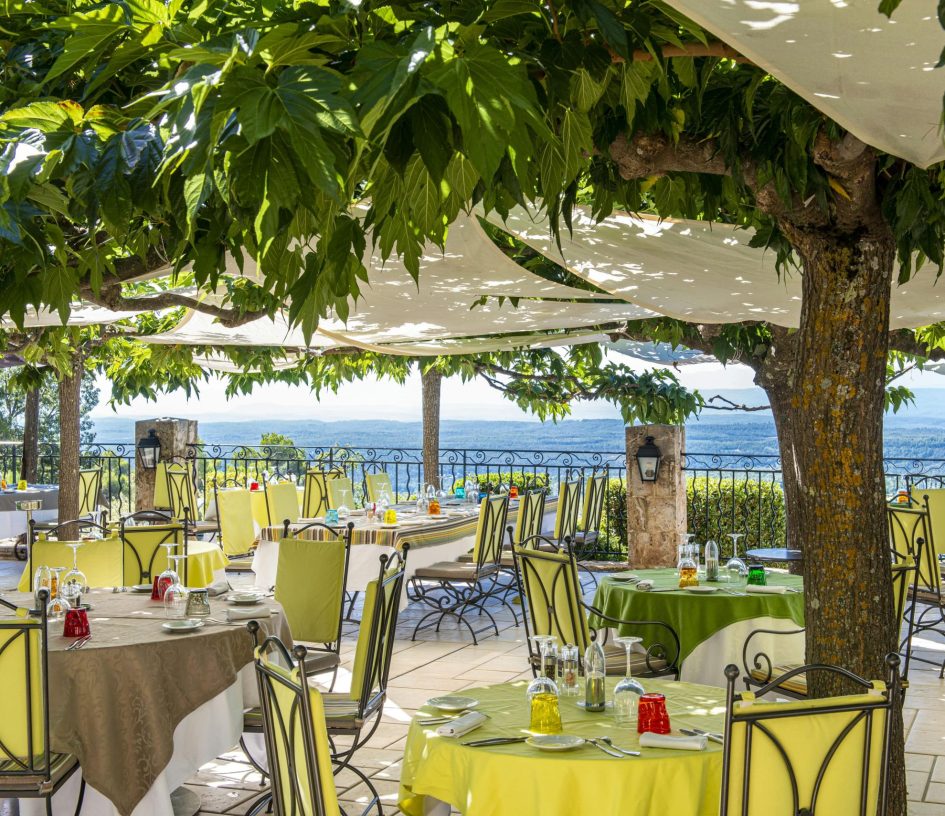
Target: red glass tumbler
{"x": 77, "y": 623}
{"x": 652, "y": 715}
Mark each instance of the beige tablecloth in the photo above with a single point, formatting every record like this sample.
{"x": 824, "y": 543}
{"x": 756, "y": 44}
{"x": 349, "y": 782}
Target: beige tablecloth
{"x": 115, "y": 702}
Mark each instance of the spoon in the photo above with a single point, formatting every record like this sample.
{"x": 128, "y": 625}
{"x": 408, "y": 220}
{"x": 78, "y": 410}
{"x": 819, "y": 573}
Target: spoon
{"x": 609, "y": 741}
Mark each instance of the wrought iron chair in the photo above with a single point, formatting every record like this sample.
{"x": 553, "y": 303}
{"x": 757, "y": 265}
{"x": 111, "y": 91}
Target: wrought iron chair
{"x": 555, "y": 606}
{"x": 811, "y": 758}
{"x": 356, "y": 714}
{"x": 377, "y": 483}
{"x": 315, "y": 497}
{"x": 183, "y": 502}
{"x": 90, "y": 486}
{"x": 162, "y": 498}
{"x": 29, "y": 768}
{"x": 586, "y": 537}
{"x": 143, "y": 555}
{"x": 282, "y": 503}
{"x": 336, "y": 491}
{"x": 234, "y": 508}
{"x": 566, "y": 516}
{"x": 297, "y": 744}
{"x": 528, "y": 520}
{"x": 907, "y": 529}
{"x": 51, "y": 531}
{"x": 455, "y": 589}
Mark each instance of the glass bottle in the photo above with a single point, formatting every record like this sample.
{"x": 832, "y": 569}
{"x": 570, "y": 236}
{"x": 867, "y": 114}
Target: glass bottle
{"x": 688, "y": 573}
{"x": 595, "y": 673}
{"x": 568, "y": 667}
{"x": 542, "y": 695}
{"x": 711, "y": 561}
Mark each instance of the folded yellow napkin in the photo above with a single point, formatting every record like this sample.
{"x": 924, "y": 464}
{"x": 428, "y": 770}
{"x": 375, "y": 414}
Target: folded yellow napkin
{"x": 253, "y": 613}
{"x": 462, "y": 725}
{"x": 765, "y": 590}
{"x": 677, "y": 743}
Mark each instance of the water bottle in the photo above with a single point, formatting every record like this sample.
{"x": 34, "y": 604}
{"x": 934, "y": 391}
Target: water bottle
{"x": 711, "y": 561}
{"x": 595, "y": 672}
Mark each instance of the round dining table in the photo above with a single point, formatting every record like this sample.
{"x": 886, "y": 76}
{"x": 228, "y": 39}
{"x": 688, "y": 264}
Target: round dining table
{"x": 441, "y": 772}
{"x": 142, "y": 709}
{"x": 712, "y": 622}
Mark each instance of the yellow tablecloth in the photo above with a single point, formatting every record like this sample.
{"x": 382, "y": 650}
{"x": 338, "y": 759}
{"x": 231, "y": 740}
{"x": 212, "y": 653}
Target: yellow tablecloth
{"x": 519, "y": 780}
{"x": 101, "y": 561}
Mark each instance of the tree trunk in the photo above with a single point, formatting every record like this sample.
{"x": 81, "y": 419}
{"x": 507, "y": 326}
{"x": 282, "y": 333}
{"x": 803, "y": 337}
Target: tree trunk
{"x": 30, "y": 462}
{"x": 826, "y": 385}
{"x": 431, "y": 380}
{"x": 70, "y": 391}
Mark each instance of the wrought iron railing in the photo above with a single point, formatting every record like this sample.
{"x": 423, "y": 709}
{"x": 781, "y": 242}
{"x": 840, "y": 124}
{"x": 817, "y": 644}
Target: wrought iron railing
{"x": 727, "y": 493}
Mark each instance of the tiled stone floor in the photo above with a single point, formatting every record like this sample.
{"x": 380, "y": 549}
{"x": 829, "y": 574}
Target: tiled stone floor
{"x": 448, "y": 662}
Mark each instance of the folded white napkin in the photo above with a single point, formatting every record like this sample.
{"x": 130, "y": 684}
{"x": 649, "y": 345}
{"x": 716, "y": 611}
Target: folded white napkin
{"x": 765, "y": 590}
{"x": 645, "y": 584}
{"x": 254, "y": 613}
{"x": 679, "y": 743}
{"x": 218, "y": 588}
{"x": 462, "y": 725}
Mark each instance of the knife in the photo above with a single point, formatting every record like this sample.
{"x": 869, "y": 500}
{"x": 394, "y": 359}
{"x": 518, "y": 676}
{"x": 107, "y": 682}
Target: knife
{"x": 494, "y": 741}
{"x": 698, "y": 732}
{"x": 606, "y": 749}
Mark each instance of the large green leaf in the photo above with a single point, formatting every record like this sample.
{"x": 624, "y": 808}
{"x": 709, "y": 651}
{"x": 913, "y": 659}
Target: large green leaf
{"x": 91, "y": 31}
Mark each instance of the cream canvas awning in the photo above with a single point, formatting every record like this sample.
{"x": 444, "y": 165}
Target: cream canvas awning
{"x": 872, "y": 75}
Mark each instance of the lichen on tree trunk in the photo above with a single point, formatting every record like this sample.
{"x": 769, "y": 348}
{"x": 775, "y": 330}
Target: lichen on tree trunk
{"x": 70, "y": 393}
{"x": 431, "y": 381}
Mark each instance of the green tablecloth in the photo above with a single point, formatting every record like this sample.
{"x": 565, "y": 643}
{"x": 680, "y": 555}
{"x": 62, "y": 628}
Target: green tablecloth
{"x": 519, "y": 780}
{"x": 694, "y": 616}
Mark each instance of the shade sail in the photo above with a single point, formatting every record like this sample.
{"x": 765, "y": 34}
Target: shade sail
{"x": 873, "y": 76}
{"x": 397, "y": 315}
{"x": 82, "y": 314}
{"x": 697, "y": 271}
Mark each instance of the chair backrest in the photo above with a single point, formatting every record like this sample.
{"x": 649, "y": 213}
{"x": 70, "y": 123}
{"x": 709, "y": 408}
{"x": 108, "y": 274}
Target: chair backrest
{"x": 180, "y": 492}
{"x": 310, "y": 583}
{"x": 315, "y": 497}
{"x": 566, "y": 516}
{"x": 24, "y": 695}
{"x": 336, "y": 492}
{"x": 282, "y": 502}
{"x": 531, "y": 512}
{"x": 493, "y": 514}
{"x": 934, "y": 499}
{"x": 296, "y": 736}
{"x": 377, "y": 483}
{"x": 142, "y": 549}
{"x": 162, "y": 500}
{"x": 552, "y": 592}
{"x": 85, "y": 525}
{"x": 824, "y": 756}
{"x": 90, "y": 485}
{"x": 910, "y": 536}
{"x": 595, "y": 490}
{"x": 235, "y": 514}
{"x": 372, "y": 653}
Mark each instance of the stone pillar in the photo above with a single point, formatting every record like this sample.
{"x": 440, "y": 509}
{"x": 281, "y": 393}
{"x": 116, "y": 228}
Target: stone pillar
{"x": 175, "y": 436}
{"x": 656, "y": 511}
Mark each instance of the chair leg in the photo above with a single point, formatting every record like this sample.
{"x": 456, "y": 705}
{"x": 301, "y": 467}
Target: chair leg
{"x": 263, "y": 773}
{"x": 264, "y": 802}
{"x": 78, "y": 804}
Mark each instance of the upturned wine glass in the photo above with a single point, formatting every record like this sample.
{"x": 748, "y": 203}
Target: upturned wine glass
{"x": 627, "y": 692}
{"x": 735, "y": 568}
{"x": 58, "y": 605}
{"x": 175, "y": 596}
{"x": 74, "y": 582}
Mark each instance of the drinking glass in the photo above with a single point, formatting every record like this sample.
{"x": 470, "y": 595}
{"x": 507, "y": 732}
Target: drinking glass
{"x": 735, "y": 568}
{"x": 344, "y": 503}
{"x": 74, "y": 583}
{"x": 542, "y": 694}
{"x": 627, "y": 692}
{"x": 568, "y": 668}
{"x": 42, "y": 579}
{"x": 58, "y": 605}
{"x": 175, "y": 596}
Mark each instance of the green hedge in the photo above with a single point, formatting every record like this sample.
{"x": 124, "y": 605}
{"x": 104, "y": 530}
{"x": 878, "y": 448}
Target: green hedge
{"x": 715, "y": 508}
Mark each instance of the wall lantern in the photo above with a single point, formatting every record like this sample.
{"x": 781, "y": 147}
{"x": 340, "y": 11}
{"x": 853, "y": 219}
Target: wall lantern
{"x": 648, "y": 460}
{"x": 149, "y": 450}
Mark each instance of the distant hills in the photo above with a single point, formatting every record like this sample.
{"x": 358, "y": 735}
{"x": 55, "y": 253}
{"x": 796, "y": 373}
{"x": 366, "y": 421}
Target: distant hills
{"x": 918, "y": 432}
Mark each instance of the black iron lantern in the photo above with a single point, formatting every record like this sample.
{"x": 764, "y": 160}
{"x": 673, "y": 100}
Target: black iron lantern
{"x": 149, "y": 450}
{"x": 648, "y": 460}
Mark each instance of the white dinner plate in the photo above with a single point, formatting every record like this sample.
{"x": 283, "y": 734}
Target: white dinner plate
{"x": 179, "y": 626}
{"x": 625, "y": 576}
{"x": 555, "y": 742}
{"x": 453, "y": 702}
{"x": 701, "y": 588}
{"x": 245, "y": 599}
{"x": 142, "y": 588}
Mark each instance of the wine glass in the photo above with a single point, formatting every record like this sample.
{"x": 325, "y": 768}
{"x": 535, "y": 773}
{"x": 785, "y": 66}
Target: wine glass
{"x": 42, "y": 579}
{"x": 169, "y": 576}
{"x": 74, "y": 582}
{"x": 627, "y": 692}
{"x": 735, "y": 568}
{"x": 58, "y": 605}
{"x": 344, "y": 503}
{"x": 175, "y": 596}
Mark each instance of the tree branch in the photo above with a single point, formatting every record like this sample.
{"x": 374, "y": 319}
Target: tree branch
{"x": 904, "y": 340}
{"x": 712, "y": 49}
{"x": 111, "y": 298}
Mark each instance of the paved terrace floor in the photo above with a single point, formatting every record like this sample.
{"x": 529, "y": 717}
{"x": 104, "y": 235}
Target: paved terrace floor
{"x": 448, "y": 662}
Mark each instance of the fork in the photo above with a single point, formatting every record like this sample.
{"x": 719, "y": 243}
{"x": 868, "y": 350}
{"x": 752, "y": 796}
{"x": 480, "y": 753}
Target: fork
{"x": 78, "y": 644}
